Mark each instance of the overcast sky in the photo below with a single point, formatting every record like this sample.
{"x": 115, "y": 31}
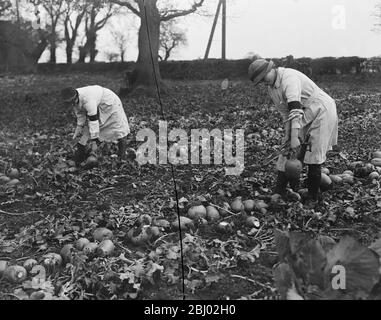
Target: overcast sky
{"x": 274, "y": 28}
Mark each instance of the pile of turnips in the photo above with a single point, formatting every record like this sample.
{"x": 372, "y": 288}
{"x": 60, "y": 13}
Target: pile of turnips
{"x": 146, "y": 230}
{"x": 371, "y": 170}
{"x": 11, "y": 179}
{"x": 212, "y": 214}
{"x": 368, "y": 170}
{"x": 102, "y": 246}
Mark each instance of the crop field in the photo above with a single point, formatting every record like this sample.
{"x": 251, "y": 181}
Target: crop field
{"x": 250, "y": 256}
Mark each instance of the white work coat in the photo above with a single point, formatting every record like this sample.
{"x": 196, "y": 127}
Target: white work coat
{"x": 113, "y": 123}
{"x": 320, "y": 116}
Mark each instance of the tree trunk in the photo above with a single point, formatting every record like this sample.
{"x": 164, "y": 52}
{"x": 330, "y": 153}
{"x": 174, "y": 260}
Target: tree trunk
{"x": 82, "y": 54}
{"x": 144, "y": 69}
{"x": 91, "y": 43}
{"x": 69, "y": 53}
{"x": 53, "y": 49}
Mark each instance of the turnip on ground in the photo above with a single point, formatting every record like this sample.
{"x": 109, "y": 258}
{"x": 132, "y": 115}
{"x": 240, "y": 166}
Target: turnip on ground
{"x": 178, "y": 153}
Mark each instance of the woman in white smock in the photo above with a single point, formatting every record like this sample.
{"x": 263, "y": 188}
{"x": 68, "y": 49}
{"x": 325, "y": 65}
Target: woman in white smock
{"x": 308, "y": 113}
{"x": 100, "y": 117}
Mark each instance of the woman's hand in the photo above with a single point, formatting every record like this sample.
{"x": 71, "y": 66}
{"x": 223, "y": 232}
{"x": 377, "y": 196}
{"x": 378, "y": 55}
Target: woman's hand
{"x": 295, "y": 143}
{"x": 94, "y": 146}
{"x": 294, "y": 147}
{"x": 78, "y": 132}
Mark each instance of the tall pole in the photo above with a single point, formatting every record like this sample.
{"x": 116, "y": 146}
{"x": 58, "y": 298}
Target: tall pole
{"x": 223, "y": 29}
{"x": 18, "y": 13}
{"x": 213, "y": 29}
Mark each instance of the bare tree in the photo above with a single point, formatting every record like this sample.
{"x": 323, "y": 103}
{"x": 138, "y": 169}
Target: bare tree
{"x": 151, "y": 18}
{"x": 171, "y": 37}
{"x": 112, "y": 56}
{"x": 120, "y": 38}
{"x": 5, "y": 6}
{"x": 54, "y": 9}
{"x": 74, "y": 14}
{"x": 92, "y": 27}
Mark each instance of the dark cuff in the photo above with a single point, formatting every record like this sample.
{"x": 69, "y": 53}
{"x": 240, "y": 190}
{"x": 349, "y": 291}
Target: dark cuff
{"x": 295, "y": 105}
{"x": 94, "y": 118}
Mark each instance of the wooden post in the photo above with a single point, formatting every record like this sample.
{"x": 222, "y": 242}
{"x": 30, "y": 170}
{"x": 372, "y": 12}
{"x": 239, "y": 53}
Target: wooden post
{"x": 223, "y": 55}
{"x": 213, "y": 29}
{"x": 18, "y": 13}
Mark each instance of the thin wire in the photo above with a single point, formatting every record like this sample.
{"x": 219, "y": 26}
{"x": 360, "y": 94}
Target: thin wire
{"x": 172, "y": 168}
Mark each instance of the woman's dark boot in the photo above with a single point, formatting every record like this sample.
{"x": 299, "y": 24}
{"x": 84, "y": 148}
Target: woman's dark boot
{"x": 80, "y": 154}
{"x": 313, "y": 185}
{"x": 122, "y": 148}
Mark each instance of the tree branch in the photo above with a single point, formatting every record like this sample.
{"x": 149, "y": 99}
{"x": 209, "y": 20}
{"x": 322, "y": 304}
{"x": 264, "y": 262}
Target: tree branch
{"x": 7, "y": 5}
{"x": 101, "y": 23}
{"x": 179, "y": 13}
{"x": 128, "y": 5}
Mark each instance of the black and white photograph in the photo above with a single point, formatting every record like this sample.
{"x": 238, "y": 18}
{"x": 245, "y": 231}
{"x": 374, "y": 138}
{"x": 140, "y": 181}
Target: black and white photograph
{"x": 208, "y": 152}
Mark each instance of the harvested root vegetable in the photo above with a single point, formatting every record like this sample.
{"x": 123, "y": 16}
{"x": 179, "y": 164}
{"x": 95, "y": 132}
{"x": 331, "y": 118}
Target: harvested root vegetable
{"x": 105, "y": 248}
{"x": 356, "y": 164}
{"x": 51, "y": 260}
{"x": 276, "y": 199}
{"x": 29, "y": 264}
{"x": 13, "y": 183}
{"x": 91, "y": 162}
{"x": 139, "y": 236}
{"x": 71, "y": 163}
{"x": 376, "y": 162}
{"x": 249, "y": 205}
{"x": 13, "y": 173}
{"x": 4, "y": 179}
{"x": 185, "y": 223}
{"x": 347, "y": 178}
{"x": 325, "y": 170}
{"x": 67, "y": 252}
{"x": 260, "y": 204}
{"x": 203, "y": 222}
{"x": 197, "y": 212}
{"x": 225, "y": 209}
{"x": 369, "y": 168}
{"x": 90, "y": 248}
{"x": 374, "y": 175}
{"x": 162, "y": 223}
{"x": 101, "y": 234}
{"x": 252, "y": 222}
{"x": 225, "y": 227}
{"x": 39, "y": 295}
{"x": 155, "y": 231}
{"x": 145, "y": 219}
{"x": 237, "y": 205}
{"x": 81, "y": 243}
{"x": 293, "y": 168}
{"x": 15, "y": 274}
{"x": 377, "y": 154}
{"x": 325, "y": 181}
{"x": 350, "y": 172}
{"x": 212, "y": 213}
{"x": 336, "y": 179}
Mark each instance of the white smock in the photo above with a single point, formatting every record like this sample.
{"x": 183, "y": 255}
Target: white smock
{"x": 320, "y": 116}
{"x": 112, "y": 123}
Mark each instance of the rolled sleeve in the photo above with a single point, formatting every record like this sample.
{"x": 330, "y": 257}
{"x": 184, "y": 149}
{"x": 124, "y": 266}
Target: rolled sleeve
{"x": 292, "y": 88}
{"x": 91, "y": 107}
